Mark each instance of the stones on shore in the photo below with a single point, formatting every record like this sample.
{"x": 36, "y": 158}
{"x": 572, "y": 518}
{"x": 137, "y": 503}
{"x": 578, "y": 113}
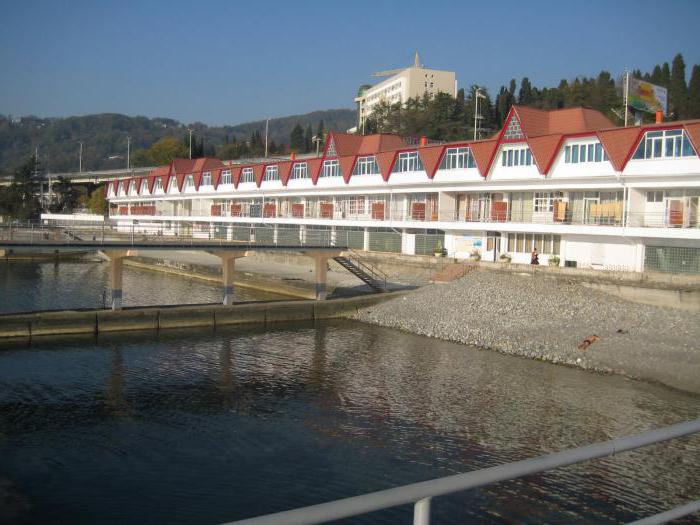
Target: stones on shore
{"x": 547, "y": 319}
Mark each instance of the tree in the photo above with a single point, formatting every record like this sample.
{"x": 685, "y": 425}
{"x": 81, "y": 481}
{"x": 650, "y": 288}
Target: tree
{"x": 693, "y": 102}
{"x": 525, "y": 93}
{"x": 308, "y": 137}
{"x": 162, "y": 152}
{"x": 677, "y": 89}
{"x": 96, "y": 202}
{"x": 66, "y": 194}
{"x": 20, "y": 200}
{"x": 320, "y": 131}
{"x": 296, "y": 139}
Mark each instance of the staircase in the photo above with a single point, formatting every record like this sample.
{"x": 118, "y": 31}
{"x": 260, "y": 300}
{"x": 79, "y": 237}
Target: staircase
{"x": 370, "y": 275}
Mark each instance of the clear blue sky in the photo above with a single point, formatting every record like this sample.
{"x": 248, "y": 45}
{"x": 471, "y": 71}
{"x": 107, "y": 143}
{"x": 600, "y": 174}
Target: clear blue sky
{"x": 232, "y": 61}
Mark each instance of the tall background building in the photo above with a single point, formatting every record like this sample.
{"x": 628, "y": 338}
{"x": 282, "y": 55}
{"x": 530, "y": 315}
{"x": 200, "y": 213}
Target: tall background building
{"x": 402, "y": 84}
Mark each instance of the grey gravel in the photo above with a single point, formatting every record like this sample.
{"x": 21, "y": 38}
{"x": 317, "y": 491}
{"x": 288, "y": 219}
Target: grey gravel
{"x": 548, "y": 318}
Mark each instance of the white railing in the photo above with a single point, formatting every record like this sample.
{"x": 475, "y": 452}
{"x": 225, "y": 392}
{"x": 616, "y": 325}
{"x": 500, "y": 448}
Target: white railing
{"x": 421, "y": 494}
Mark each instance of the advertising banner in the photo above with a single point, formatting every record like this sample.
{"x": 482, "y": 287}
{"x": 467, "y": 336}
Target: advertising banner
{"x": 644, "y": 96}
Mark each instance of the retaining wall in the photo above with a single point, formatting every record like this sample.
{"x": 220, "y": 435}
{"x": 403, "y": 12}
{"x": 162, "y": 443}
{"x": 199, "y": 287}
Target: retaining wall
{"x": 156, "y": 318}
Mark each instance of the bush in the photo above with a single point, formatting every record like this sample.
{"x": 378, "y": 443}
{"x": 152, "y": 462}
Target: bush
{"x": 554, "y": 260}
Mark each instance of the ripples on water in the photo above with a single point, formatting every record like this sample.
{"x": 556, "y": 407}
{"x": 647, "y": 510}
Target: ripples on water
{"x": 201, "y": 427}
{"x": 27, "y": 286}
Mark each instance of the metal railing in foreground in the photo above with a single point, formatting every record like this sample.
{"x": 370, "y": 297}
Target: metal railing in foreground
{"x": 421, "y": 494}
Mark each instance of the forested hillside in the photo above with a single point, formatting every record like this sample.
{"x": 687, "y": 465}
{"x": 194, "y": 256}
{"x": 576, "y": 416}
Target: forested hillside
{"x": 104, "y": 138}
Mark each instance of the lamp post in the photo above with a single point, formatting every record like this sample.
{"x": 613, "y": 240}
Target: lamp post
{"x": 128, "y": 152}
{"x": 477, "y": 117}
{"x": 267, "y": 125}
{"x": 190, "y": 130}
{"x": 80, "y": 159}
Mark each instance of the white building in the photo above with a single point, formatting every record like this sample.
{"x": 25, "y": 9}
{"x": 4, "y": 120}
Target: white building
{"x": 565, "y": 182}
{"x": 403, "y": 84}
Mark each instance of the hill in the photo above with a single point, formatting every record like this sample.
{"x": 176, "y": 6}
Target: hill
{"x": 104, "y": 136}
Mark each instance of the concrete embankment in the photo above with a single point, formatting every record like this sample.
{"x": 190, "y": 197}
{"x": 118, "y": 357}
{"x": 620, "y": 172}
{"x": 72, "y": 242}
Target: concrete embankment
{"x": 159, "y": 318}
{"x": 541, "y": 317}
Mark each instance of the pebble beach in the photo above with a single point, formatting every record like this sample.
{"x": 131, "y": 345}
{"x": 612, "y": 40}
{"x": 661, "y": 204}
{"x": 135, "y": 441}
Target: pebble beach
{"x": 554, "y": 320}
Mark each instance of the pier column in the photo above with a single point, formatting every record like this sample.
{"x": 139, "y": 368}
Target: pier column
{"x": 321, "y": 263}
{"x": 228, "y": 264}
{"x": 116, "y": 272}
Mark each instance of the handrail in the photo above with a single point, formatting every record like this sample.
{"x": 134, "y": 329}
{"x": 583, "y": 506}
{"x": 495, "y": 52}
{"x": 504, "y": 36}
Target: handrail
{"x": 375, "y": 273}
{"x": 420, "y": 494}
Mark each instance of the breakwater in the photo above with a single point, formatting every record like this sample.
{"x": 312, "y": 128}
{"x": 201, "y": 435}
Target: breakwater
{"x": 67, "y": 322}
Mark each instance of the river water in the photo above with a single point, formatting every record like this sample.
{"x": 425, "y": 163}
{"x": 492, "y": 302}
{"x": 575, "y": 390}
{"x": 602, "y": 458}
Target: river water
{"x": 210, "y": 426}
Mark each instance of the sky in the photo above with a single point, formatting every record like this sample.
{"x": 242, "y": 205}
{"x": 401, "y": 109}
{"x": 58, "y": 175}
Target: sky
{"x": 227, "y": 62}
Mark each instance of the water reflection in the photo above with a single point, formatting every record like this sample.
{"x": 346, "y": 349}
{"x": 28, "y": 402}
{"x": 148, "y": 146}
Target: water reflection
{"x": 217, "y": 426}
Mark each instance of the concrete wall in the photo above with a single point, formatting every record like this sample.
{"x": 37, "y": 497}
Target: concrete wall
{"x": 159, "y": 318}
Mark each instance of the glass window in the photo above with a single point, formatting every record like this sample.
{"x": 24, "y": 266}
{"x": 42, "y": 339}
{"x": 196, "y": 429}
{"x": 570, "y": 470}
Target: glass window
{"x": 408, "y": 161}
{"x": 574, "y": 154}
{"x": 206, "y": 179}
{"x": 330, "y": 152}
{"x": 667, "y": 143}
{"x": 247, "y": 175}
{"x": 366, "y": 166}
{"x": 300, "y": 171}
{"x": 272, "y": 173}
{"x": 226, "y": 177}
{"x": 457, "y": 158}
{"x": 567, "y": 154}
{"x": 331, "y": 168}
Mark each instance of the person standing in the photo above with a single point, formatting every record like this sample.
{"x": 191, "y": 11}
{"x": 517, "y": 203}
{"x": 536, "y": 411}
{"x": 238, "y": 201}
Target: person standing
{"x": 534, "y": 257}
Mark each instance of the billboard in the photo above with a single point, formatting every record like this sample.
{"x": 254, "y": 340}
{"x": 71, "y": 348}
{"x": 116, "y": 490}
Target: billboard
{"x": 644, "y": 96}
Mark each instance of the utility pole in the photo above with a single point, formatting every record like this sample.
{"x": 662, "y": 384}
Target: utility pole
{"x": 188, "y": 129}
{"x": 477, "y": 117}
{"x": 267, "y": 126}
{"x": 80, "y": 159}
{"x": 627, "y": 93}
{"x": 128, "y": 151}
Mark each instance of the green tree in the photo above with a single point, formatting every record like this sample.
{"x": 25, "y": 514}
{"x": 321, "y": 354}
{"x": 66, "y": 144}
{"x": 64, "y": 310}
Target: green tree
{"x": 20, "y": 200}
{"x": 525, "y": 93}
{"x": 96, "y": 201}
{"x": 308, "y": 137}
{"x": 677, "y": 89}
{"x": 693, "y": 102}
{"x": 67, "y": 196}
{"x": 296, "y": 139}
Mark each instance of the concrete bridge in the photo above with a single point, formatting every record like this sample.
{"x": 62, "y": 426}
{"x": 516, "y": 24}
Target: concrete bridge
{"x": 117, "y": 246}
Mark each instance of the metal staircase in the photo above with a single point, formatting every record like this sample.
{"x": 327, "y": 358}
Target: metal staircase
{"x": 367, "y": 273}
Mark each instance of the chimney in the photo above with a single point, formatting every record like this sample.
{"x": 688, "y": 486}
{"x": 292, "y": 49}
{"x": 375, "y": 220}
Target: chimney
{"x": 424, "y": 141}
{"x": 293, "y": 155}
{"x": 659, "y": 117}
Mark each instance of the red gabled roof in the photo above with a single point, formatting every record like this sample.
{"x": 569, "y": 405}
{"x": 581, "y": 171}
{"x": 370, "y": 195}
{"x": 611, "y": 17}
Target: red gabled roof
{"x": 431, "y": 156}
{"x": 484, "y": 152}
{"x": 536, "y": 122}
{"x": 347, "y": 164}
{"x": 693, "y": 131}
{"x": 259, "y": 171}
{"x": 216, "y": 177}
{"x": 194, "y": 165}
{"x": 285, "y": 171}
{"x": 544, "y": 149}
{"x": 236, "y": 175}
{"x": 618, "y": 144}
{"x": 347, "y": 144}
{"x": 385, "y": 161}
{"x": 314, "y": 167}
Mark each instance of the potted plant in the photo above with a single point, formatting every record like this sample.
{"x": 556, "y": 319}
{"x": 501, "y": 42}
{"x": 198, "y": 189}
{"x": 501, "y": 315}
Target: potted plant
{"x": 505, "y": 258}
{"x": 475, "y": 255}
{"x": 554, "y": 260}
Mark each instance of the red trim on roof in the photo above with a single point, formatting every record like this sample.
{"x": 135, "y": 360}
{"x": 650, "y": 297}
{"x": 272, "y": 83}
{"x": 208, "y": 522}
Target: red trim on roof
{"x": 314, "y": 167}
{"x": 236, "y": 175}
{"x": 544, "y": 149}
{"x": 197, "y": 179}
{"x": 285, "y": 169}
{"x": 347, "y": 164}
{"x": 619, "y": 144}
{"x": 385, "y": 161}
{"x": 180, "y": 177}
{"x": 259, "y": 172}
{"x": 431, "y": 157}
{"x": 483, "y": 153}
{"x": 216, "y": 177}
{"x": 151, "y": 182}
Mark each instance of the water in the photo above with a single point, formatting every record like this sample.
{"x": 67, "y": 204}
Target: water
{"x": 27, "y": 286}
{"x": 205, "y": 427}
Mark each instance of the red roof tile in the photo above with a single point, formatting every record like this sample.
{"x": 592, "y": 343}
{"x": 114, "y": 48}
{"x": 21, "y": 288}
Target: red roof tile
{"x": 285, "y": 171}
{"x": 431, "y": 156}
{"x": 216, "y": 177}
{"x": 618, "y": 144}
{"x": 236, "y": 175}
{"x": 346, "y": 166}
{"x": 483, "y": 152}
{"x": 693, "y": 131}
{"x": 180, "y": 180}
{"x": 535, "y": 122}
{"x": 151, "y": 183}
{"x": 544, "y": 150}
{"x": 385, "y": 161}
{"x": 314, "y": 167}
{"x": 259, "y": 171}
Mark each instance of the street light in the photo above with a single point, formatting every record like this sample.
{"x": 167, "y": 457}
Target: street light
{"x": 477, "y": 117}
{"x": 128, "y": 151}
{"x": 190, "y": 130}
{"x": 80, "y": 159}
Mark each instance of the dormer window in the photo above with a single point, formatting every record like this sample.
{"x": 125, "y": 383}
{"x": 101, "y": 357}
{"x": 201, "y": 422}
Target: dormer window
{"x": 144, "y": 186}
{"x": 580, "y": 153}
{"x": 206, "y": 179}
{"x": 226, "y": 177}
{"x": 513, "y": 131}
{"x": 366, "y": 166}
{"x": 272, "y": 173}
{"x": 247, "y": 175}
{"x": 159, "y": 184}
{"x": 516, "y": 157}
{"x": 664, "y": 144}
{"x": 331, "y": 168}
{"x": 408, "y": 161}
{"x": 300, "y": 171}
{"x": 189, "y": 182}
{"x": 457, "y": 158}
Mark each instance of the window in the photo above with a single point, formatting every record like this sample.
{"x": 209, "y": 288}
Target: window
{"x": 660, "y": 144}
{"x": 272, "y": 173}
{"x": 366, "y": 166}
{"x": 159, "y": 184}
{"x": 513, "y": 131}
{"x": 408, "y": 161}
{"x": 544, "y": 201}
{"x": 189, "y": 182}
{"x": 132, "y": 187}
{"x": 330, "y": 152}
{"x": 206, "y": 179}
{"x": 331, "y": 168}
{"x": 516, "y": 157}
{"x": 226, "y": 177}
{"x": 457, "y": 158}
{"x": 300, "y": 171}
{"x": 577, "y": 153}
{"x": 655, "y": 196}
{"x": 545, "y": 243}
{"x": 247, "y": 175}
{"x": 144, "y": 186}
